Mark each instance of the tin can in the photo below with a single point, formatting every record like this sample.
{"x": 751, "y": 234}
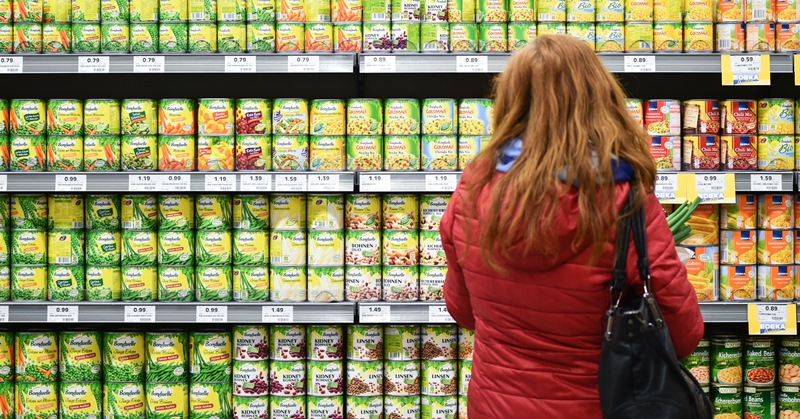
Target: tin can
{"x": 289, "y": 37}
{"x": 775, "y": 247}
{"x": 739, "y": 152}
{"x": 775, "y": 212}
{"x": 492, "y": 37}
{"x": 759, "y": 11}
{"x": 519, "y": 35}
{"x": 787, "y": 37}
{"x": 775, "y": 152}
{"x": 776, "y": 283}
{"x": 698, "y": 37}
{"x": 738, "y": 116}
{"x": 701, "y": 152}
{"x": 775, "y": 115}
{"x": 760, "y": 37}
{"x": 730, "y": 11}
{"x": 738, "y": 247}
{"x": 435, "y": 37}
{"x": 663, "y": 117}
{"x": 362, "y": 283}
{"x": 579, "y": 11}
{"x": 726, "y": 360}
{"x": 405, "y": 37}
{"x": 737, "y": 283}
{"x": 610, "y": 37}
{"x": 668, "y": 37}
{"x": 551, "y": 11}
{"x": 701, "y": 117}
{"x": 702, "y": 269}
{"x": 666, "y": 151}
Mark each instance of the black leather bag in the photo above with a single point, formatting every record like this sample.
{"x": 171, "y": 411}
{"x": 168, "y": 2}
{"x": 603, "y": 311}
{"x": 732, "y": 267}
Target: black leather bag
{"x": 640, "y": 375}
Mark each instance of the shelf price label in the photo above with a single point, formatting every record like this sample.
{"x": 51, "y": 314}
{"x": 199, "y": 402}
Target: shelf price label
{"x": 796, "y": 70}
{"x": 439, "y": 314}
{"x": 3, "y": 314}
{"x": 142, "y": 183}
{"x": 62, "y": 314}
{"x": 240, "y": 64}
{"x": 772, "y": 318}
{"x": 175, "y": 183}
{"x": 380, "y": 64}
{"x": 255, "y": 183}
{"x": 140, "y": 314}
{"x": 375, "y": 314}
{"x": 745, "y": 70}
{"x": 667, "y": 188}
{"x": 639, "y": 64}
{"x": 211, "y": 314}
{"x": 472, "y": 64}
{"x": 440, "y": 182}
{"x": 323, "y": 182}
{"x": 10, "y": 64}
{"x": 712, "y": 187}
{"x": 277, "y": 314}
{"x": 3, "y": 183}
{"x": 221, "y": 183}
{"x": 765, "y": 182}
{"x": 94, "y": 64}
{"x": 291, "y": 183}
{"x": 303, "y": 64}
{"x": 70, "y": 183}
{"x": 375, "y": 183}
{"x": 148, "y": 64}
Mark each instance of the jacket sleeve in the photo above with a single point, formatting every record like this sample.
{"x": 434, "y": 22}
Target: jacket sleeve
{"x": 675, "y": 295}
{"x": 456, "y": 295}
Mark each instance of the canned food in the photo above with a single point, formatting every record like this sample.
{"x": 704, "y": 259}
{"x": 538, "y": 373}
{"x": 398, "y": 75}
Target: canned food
{"x": 760, "y": 37}
{"x": 639, "y": 36}
{"x": 464, "y": 37}
{"x": 325, "y": 343}
{"x": 139, "y": 153}
{"x": 776, "y": 283}
{"x": 775, "y": 212}
{"x": 726, "y": 360}
{"x": 250, "y": 378}
{"x": 213, "y": 283}
{"x": 37, "y": 400}
{"x": 364, "y": 117}
{"x": 250, "y": 283}
{"x": 124, "y": 356}
{"x": 144, "y": 38}
{"x": 139, "y": 212}
{"x": 139, "y": 283}
{"x": 289, "y": 37}
{"x": 287, "y": 247}
{"x": 775, "y": 152}
{"x": 363, "y": 283}
{"x": 86, "y": 37}
{"x": 166, "y": 357}
{"x": 202, "y": 37}
{"x": 347, "y": 37}
{"x": 362, "y": 247}
{"x": 739, "y": 152}
{"x": 740, "y": 215}
{"x": 662, "y": 117}
{"x": 325, "y": 378}
{"x": 103, "y": 283}
{"x": 668, "y": 36}
{"x": 288, "y": 211}
{"x": 738, "y": 247}
{"x": 702, "y": 269}
{"x": 492, "y": 37}
{"x": 666, "y": 152}
{"x": 288, "y": 343}
{"x": 400, "y": 283}
{"x": 211, "y": 357}
{"x": 327, "y": 153}
{"x": 363, "y": 212}
{"x": 701, "y": 152}
{"x": 288, "y": 283}
{"x": 167, "y": 399}
{"x": 364, "y": 153}
{"x": 176, "y": 283}
{"x": 698, "y": 362}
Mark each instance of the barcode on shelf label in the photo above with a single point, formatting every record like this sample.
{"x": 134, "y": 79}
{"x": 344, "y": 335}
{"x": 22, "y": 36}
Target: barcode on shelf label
{"x": 62, "y": 314}
{"x": 375, "y": 314}
{"x": 303, "y": 64}
{"x": 148, "y": 64}
{"x": 3, "y": 314}
{"x": 290, "y": 183}
{"x": 70, "y": 183}
{"x": 220, "y": 183}
{"x": 94, "y": 64}
{"x": 211, "y": 314}
{"x": 666, "y": 186}
{"x": 175, "y": 183}
{"x": 765, "y": 182}
{"x": 3, "y": 183}
{"x": 323, "y": 183}
{"x": 142, "y": 183}
{"x": 472, "y": 64}
{"x": 439, "y": 314}
{"x": 277, "y": 314}
{"x": 375, "y": 183}
{"x": 380, "y": 64}
{"x": 140, "y": 314}
{"x": 11, "y": 64}
{"x": 710, "y": 187}
{"x": 440, "y": 183}
{"x": 240, "y": 64}
{"x": 255, "y": 183}
{"x": 743, "y": 64}
{"x": 639, "y": 64}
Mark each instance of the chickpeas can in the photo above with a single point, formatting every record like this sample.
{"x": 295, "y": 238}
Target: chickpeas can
{"x": 698, "y": 362}
{"x": 726, "y": 360}
{"x": 363, "y": 283}
{"x": 759, "y": 361}
{"x": 698, "y": 37}
{"x": 727, "y": 400}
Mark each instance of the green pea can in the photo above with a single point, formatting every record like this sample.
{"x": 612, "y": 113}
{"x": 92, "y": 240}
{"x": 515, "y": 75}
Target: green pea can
{"x": 213, "y": 283}
{"x": 124, "y": 356}
{"x": 37, "y": 400}
{"x": 202, "y": 37}
{"x": 144, "y": 10}
{"x": 260, "y": 10}
{"x": 520, "y": 34}
{"x": 85, "y": 37}
{"x": 493, "y": 37}
{"x": 231, "y": 37}
{"x": 115, "y": 38}
{"x": 250, "y": 283}
{"x": 464, "y": 37}
{"x": 435, "y": 37}
{"x": 173, "y": 37}
{"x": 80, "y": 359}
{"x": 124, "y": 400}
{"x": 405, "y": 37}
{"x": 66, "y": 283}
{"x": 114, "y": 11}
{"x": 103, "y": 283}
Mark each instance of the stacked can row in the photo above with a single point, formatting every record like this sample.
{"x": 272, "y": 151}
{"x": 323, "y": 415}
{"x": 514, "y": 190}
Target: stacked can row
{"x": 745, "y": 250}
{"x": 749, "y": 377}
{"x": 739, "y": 134}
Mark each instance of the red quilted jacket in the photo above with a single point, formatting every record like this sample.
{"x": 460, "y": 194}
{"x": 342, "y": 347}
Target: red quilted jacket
{"x": 538, "y": 328}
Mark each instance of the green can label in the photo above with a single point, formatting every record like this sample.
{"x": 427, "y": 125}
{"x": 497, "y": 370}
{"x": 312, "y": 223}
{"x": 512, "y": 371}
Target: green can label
{"x": 139, "y": 152}
{"x": 103, "y": 283}
{"x": 102, "y": 212}
{"x": 492, "y": 37}
{"x": 287, "y": 343}
{"x": 210, "y": 400}
{"x": 250, "y": 283}
{"x": 520, "y": 34}
{"x": 364, "y": 153}
{"x": 28, "y": 211}
{"x": 27, "y": 153}
{"x": 213, "y": 212}
{"x": 103, "y": 247}
{"x": 28, "y": 247}
{"x": 250, "y": 343}
{"x": 114, "y": 37}
{"x": 139, "y": 283}
{"x": 166, "y": 357}
{"x": 81, "y": 400}
{"x": 123, "y": 356}
{"x": 405, "y": 37}
{"x": 402, "y": 378}
{"x": 213, "y": 247}
{"x": 439, "y": 407}
{"x": 65, "y": 247}
{"x": 37, "y": 359}
{"x": 139, "y": 248}
{"x": 231, "y": 37}
{"x": 173, "y": 37}
{"x": 144, "y": 38}
{"x": 435, "y": 37}
{"x": 167, "y": 401}
{"x": 176, "y": 212}
{"x": 727, "y": 401}
{"x": 251, "y": 212}
{"x": 202, "y": 37}
{"x": 29, "y": 282}
{"x": 213, "y": 283}
{"x": 249, "y": 247}
{"x": 364, "y": 117}
{"x": 726, "y": 361}
{"x": 176, "y": 283}
{"x": 402, "y": 406}
{"x": 66, "y": 283}
{"x": 364, "y": 343}
{"x": 85, "y": 37}
{"x": 102, "y": 153}
{"x": 402, "y": 117}
{"x": 175, "y": 247}
{"x": 759, "y": 361}
{"x": 439, "y": 153}
{"x": 211, "y": 355}
{"x": 261, "y": 37}
{"x": 124, "y": 400}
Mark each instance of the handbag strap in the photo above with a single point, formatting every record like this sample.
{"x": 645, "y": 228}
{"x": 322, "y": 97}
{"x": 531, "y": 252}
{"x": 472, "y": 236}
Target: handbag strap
{"x": 620, "y": 272}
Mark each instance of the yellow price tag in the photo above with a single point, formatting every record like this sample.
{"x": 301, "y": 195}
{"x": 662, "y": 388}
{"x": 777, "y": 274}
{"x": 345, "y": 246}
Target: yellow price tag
{"x": 797, "y": 70}
{"x": 772, "y": 318}
{"x": 669, "y": 189}
{"x": 745, "y": 70}
{"x": 711, "y": 187}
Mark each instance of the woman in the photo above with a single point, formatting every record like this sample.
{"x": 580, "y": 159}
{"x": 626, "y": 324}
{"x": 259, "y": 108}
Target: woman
{"x": 529, "y": 236}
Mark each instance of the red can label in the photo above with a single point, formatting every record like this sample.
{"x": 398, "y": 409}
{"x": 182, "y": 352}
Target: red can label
{"x": 701, "y": 152}
{"x": 740, "y": 152}
{"x": 701, "y": 117}
{"x": 666, "y": 152}
{"x": 663, "y": 117}
{"x": 738, "y": 116}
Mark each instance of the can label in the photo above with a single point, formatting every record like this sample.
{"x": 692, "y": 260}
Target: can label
{"x": 250, "y": 378}
{"x": 212, "y": 399}
{"x": 166, "y": 357}
{"x": 139, "y": 283}
{"x": 170, "y": 400}
{"x": 362, "y": 247}
{"x": 369, "y": 375}
{"x": 37, "y": 400}
{"x": 27, "y": 153}
{"x": 103, "y": 283}
{"x": 698, "y": 362}
{"x": 325, "y": 378}
{"x": 250, "y": 283}
{"x": 737, "y": 283}
{"x": 124, "y": 356}
{"x": 38, "y": 357}
{"x": 402, "y": 117}
{"x": 176, "y": 283}
{"x": 666, "y": 152}
{"x": 211, "y": 357}
{"x": 364, "y": 117}
{"x": 288, "y": 283}
{"x": 726, "y": 361}
{"x": 288, "y": 343}
{"x": 287, "y": 211}
{"x": 364, "y": 153}
{"x": 325, "y": 343}
{"x": 362, "y": 283}
{"x": 364, "y": 343}
{"x": 325, "y": 248}
{"x": 740, "y": 215}
{"x": 66, "y": 283}
{"x": 776, "y": 283}
{"x": 213, "y": 283}
{"x": 250, "y": 343}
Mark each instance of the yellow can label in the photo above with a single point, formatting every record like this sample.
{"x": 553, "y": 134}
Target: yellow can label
{"x": 213, "y": 247}
{"x": 775, "y": 116}
{"x": 167, "y": 400}
{"x": 101, "y": 117}
{"x": 363, "y": 212}
{"x": 66, "y": 211}
{"x": 400, "y": 212}
{"x": 176, "y": 117}
{"x": 29, "y": 282}
{"x": 401, "y": 247}
{"x": 327, "y": 117}
{"x": 287, "y": 211}
{"x": 37, "y": 400}
{"x": 699, "y": 10}
{"x": 215, "y": 117}
{"x": 287, "y": 247}
{"x": 326, "y": 212}
{"x": 65, "y": 153}
{"x": 325, "y": 248}
{"x": 668, "y": 37}
{"x": 327, "y": 153}
{"x": 139, "y": 247}
{"x": 325, "y": 284}
{"x": 249, "y": 247}
{"x": 290, "y": 37}
{"x": 638, "y": 37}
{"x": 775, "y": 152}
{"x": 251, "y": 212}
{"x": 698, "y": 37}
{"x": 213, "y": 211}
{"x": 291, "y": 11}
{"x": 639, "y": 10}
{"x": 667, "y": 10}
{"x": 30, "y": 243}
{"x": 288, "y": 284}
{"x": 290, "y": 116}
{"x": 176, "y": 212}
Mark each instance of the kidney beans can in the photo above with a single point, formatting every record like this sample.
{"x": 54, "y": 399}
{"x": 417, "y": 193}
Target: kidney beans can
{"x": 325, "y": 343}
{"x": 287, "y": 343}
{"x": 325, "y": 378}
{"x": 739, "y": 152}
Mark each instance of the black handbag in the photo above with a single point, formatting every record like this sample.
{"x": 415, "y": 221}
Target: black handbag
{"x": 640, "y": 375}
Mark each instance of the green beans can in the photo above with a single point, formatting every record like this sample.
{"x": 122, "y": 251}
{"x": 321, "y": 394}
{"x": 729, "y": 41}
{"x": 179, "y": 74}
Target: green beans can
{"x": 37, "y": 357}
{"x": 213, "y": 247}
{"x": 251, "y": 212}
{"x": 213, "y": 283}
{"x": 250, "y": 283}
{"x": 202, "y": 37}
{"x": 176, "y": 283}
{"x": 175, "y": 247}
{"x": 210, "y": 400}
{"x": 81, "y": 358}
{"x": 139, "y": 247}
{"x": 260, "y": 37}
{"x": 260, "y": 10}
{"x": 166, "y": 357}
{"x": 167, "y": 400}
{"x": 210, "y": 357}
{"x": 139, "y": 212}
{"x": 66, "y": 283}
{"x": 124, "y": 400}
{"x": 213, "y": 212}
{"x": 114, "y": 11}
{"x": 250, "y": 247}
{"x": 139, "y": 283}
{"x": 124, "y": 356}
{"x": 103, "y": 283}
{"x": 103, "y": 212}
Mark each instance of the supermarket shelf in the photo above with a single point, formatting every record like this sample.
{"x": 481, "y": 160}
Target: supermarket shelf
{"x": 744, "y": 181}
{"x": 96, "y": 312}
{"x": 408, "y": 181}
{"x": 255, "y": 181}
{"x": 719, "y": 312}
{"x": 402, "y": 312}
{"x": 186, "y": 63}
{"x": 495, "y": 63}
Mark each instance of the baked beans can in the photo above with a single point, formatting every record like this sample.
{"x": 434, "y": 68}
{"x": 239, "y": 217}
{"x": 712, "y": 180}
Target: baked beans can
{"x": 775, "y": 247}
{"x": 635, "y": 109}
{"x": 760, "y": 37}
{"x": 738, "y": 116}
{"x": 698, "y": 10}
{"x": 787, "y": 37}
{"x": 702, "y": 268}
{"x": 701, "y": 152}
{"x": 705, "y": 225}
{"x": 759, "y": 11}
{"x": 737, "y": 282}
{"x": 726, "y": 362}
{"x": 666, "y": 151}
{"x": 638, "y": 36}
{"x": 786, "y": 11}
{"x": 775, "y": 152}
{"x": 775, "y": 212}
{"x": 701, "y": 116}
{"x": 759, "y": 363}
{"x": 668, "y": 37}
{"x": 737, "y": 247}
{"x": 741, "y": 215}
{"x": 739, "y": 152}
{"x": 730, "y": 11}
{"x": 776, "y": 283}
{"x": 663, "y": 117}
{"x": 698, "y": 37}
{"x": 760, "y": 401}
